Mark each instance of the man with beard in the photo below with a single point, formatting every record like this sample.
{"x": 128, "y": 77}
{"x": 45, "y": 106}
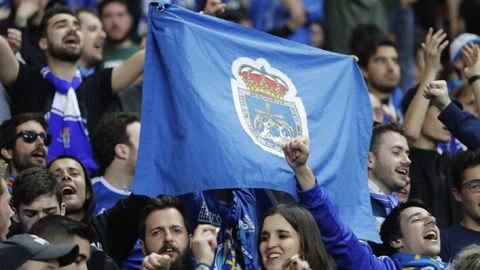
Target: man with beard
{"x": 388, "y": 168}
{"x": 117, "y": 22}
{"x": 59, "y": 89}
{"x": 165, "y": 238}
{"x": 24, "y": 143}
{"x": 378, "y": 61}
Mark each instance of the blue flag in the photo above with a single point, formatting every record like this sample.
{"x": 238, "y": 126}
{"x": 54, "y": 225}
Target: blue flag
{"x": 220, "y": 100}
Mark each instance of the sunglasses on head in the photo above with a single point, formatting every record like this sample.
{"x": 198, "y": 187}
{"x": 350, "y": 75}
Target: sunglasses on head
{"x": 30, "y": 136}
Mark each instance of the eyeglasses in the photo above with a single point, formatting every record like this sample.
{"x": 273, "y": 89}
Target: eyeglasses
{"x": 30, "y": 136}
{"x": 473, "y": 185}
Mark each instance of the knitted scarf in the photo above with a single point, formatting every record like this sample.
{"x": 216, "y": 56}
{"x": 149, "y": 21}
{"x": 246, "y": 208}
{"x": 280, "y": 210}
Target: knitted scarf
{"x": 69, "y": 135}
{"x": 418, "y": 262}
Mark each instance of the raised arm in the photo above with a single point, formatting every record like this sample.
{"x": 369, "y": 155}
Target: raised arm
{"x": 296, "y": 153}
{"x": 298, "y": 16}
{"x": 415, "y": 115}
{"x": 349, "y": 253}
{"x": 471, "y": 58}
{"x": 128, "y": 71}
{"x": 462, "y": 124}
{"x": 8, "y": 63}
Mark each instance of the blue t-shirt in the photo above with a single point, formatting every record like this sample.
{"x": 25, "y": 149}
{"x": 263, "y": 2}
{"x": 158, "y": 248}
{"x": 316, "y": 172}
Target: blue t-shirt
{"x": 454, "y": 239}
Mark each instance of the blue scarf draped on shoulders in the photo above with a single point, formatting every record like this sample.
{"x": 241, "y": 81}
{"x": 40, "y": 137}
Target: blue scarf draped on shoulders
{"x": 69, "y": 135}
{"x": 419, "y": 262}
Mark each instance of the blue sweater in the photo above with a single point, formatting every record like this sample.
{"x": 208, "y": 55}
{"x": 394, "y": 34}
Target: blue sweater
{"x": 341, "y": 242}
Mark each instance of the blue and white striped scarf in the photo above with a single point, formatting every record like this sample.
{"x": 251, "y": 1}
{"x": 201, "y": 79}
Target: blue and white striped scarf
{"x": 70, "y": 137}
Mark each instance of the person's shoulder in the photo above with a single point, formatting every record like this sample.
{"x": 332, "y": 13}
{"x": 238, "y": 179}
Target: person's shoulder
{"x": 29, "y": 70}
{"x": 452, "y": 233}
{"x": 101, "y": 78}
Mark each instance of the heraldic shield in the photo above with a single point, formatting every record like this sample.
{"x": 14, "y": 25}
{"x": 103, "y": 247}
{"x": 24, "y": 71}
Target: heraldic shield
{"x": 266, "y": 104}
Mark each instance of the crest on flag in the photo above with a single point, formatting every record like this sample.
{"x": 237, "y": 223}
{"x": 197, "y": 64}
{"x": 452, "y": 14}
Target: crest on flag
{"x": 266, "y": 104}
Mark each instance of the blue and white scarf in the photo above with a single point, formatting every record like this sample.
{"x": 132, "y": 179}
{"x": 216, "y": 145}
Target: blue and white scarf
{"x": 69, "y": 135}
{"x": 418, "y": 262}
{"x": 388, "y": 201}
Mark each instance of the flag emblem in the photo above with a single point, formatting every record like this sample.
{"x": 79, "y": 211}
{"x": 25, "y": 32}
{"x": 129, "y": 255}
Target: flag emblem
{"x": 266, "y": 104}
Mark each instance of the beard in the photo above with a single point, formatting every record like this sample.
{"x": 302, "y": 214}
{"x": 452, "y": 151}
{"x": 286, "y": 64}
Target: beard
{"x": 25, "y": 161}
{"x": 382, "y": 88}
{"x": 182, "y": 262}
{"x": 63, "y": 54}
{"x": 385, "y": 175}
{"x": 116, "y": 41}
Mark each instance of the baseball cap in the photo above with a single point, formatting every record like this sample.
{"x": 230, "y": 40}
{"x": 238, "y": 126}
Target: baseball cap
{"x": 22, "y": 247}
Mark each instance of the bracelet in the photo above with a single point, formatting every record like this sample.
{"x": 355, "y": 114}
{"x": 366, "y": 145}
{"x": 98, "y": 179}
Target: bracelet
{"x": 473, "y": 79}
{"x": 202, "y": 266}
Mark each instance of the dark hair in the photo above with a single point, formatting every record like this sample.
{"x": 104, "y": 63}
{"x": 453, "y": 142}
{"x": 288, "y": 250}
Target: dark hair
{"x": 310, "y": 237}
{"x": 8, "y": 128}
{"x": 110, "y": 131}
{"x": 85, "y": 172}
{"x": 159, "y": 203}
{"x": 55, "y": 10}
{"x": 362, "y": 33}
{"x": 33, "y": 183}
{"x": 104, "y": 3}
{"x": 88, "y": 183}
{"x": 463, "y": 161}
{"x": 379, "y": 131}
{"x": 390, "y": 229}
{"x": 58, "y": 229}
{"x": 368, "y": 47}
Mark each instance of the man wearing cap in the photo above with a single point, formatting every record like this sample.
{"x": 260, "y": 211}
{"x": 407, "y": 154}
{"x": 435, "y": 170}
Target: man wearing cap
{"x": 28, "y": 251}
{"x": 58, "y": 229}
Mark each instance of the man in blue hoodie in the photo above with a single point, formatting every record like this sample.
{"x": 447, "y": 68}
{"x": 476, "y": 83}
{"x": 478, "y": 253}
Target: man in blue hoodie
{"x": 409, "y": 231}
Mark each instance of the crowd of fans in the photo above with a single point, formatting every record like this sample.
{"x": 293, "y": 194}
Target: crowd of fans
{"x": 71, "y": 77}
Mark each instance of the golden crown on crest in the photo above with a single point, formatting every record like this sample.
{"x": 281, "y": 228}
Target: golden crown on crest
{"x": 263, "y": 83}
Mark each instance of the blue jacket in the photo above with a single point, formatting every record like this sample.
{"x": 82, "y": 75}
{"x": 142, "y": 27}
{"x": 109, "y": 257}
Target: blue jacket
{"x": 463, "y": 125}
{"x": 347, "y": 251}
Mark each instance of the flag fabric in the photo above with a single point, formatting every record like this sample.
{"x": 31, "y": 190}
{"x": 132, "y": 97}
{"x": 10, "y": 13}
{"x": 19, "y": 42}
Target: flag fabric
{"x": 220, "y": 100}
